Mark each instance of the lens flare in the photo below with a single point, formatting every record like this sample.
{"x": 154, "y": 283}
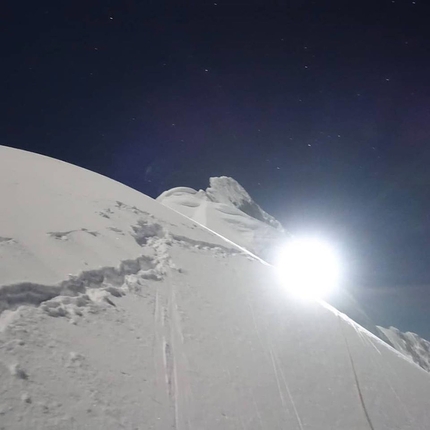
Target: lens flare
{"x": 308, "y": 268}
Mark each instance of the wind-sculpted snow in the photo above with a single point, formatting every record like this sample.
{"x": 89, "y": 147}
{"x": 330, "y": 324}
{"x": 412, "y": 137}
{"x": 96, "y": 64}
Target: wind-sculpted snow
{"x": 226, "y": 190}
{"x": 411, "y": 345}
{"x": 120, "y": 313}
{"x": 226, "y": 208}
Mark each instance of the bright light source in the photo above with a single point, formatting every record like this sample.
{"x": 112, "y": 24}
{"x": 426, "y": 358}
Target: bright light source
{"x": 308, "y": 268}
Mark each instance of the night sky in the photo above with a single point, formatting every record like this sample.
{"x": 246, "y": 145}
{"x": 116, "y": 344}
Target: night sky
{"x": 320, "y": 109}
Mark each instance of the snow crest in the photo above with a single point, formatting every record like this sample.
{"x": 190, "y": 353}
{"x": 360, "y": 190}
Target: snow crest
{"x": 227, "y": 209}
{"x": 228, "y": 191}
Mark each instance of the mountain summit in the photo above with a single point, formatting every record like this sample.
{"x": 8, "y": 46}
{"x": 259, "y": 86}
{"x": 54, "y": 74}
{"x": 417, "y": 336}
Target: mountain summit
{"x": 226, "y": 208}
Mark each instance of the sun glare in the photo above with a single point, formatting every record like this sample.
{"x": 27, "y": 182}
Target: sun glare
{"x": 308, "y": 268}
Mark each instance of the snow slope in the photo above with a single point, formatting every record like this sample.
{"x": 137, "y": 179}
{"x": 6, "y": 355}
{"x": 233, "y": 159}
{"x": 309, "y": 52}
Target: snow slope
{"x": 120, "y": 313}
{"x": 225, "y": 207}
{"x": 221, "y": 208}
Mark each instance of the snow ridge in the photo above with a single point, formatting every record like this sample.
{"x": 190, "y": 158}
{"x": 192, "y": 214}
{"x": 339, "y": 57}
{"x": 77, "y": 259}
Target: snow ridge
{"x": 227, "y": 209}
{"x": 411, "y": 345}
{"x": 227, "y": 190}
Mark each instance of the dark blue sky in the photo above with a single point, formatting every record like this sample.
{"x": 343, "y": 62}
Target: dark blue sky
{"x": 320, "y": 109}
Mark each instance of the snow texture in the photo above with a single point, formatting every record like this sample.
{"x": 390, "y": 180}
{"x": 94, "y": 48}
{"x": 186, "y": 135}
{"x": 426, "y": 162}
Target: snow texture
{"x": 119, "y": 313}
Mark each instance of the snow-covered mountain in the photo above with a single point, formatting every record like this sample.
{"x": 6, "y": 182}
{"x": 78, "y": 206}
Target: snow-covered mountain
{"x": 118, "y": 312}
{"x": 227, "y": 208}
{"x": 228, "y": 191}
{"x": 410, "y": 344}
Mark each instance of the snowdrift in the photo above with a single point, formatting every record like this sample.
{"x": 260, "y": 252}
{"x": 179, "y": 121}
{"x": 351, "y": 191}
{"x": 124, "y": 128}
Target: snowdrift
{"x": 118, "y": 312}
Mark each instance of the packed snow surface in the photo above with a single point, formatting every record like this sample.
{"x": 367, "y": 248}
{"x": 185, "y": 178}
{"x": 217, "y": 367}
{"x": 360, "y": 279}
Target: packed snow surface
{"x": 119, "y": 313}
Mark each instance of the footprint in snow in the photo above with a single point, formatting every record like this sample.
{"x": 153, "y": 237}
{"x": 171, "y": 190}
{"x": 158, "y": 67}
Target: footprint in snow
{"x": 17, "y": 371}
{"x": 64, "y": 235}
{"x": 5, "y": 240}
{"x": 116, "y": 230}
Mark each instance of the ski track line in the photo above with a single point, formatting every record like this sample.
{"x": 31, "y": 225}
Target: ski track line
{"x": 354, "y": 371}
